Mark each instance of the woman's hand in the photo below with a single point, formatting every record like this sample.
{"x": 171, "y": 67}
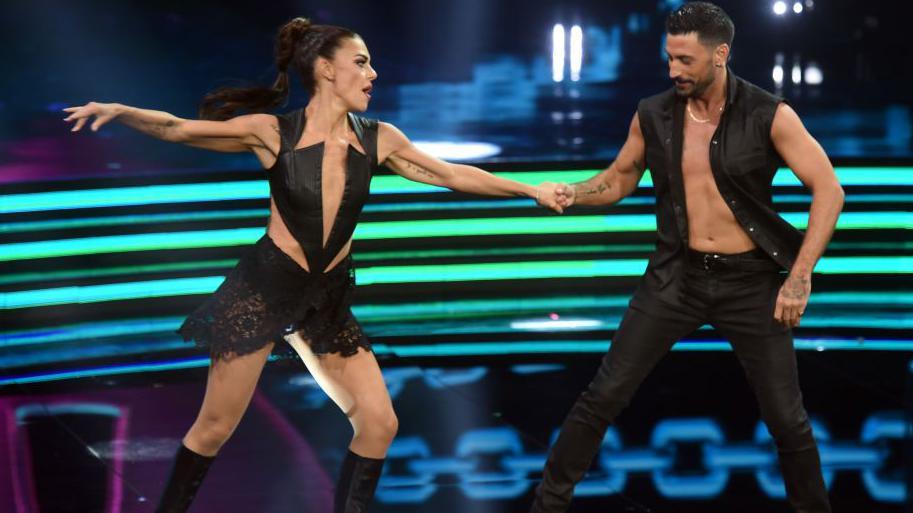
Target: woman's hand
{"x": 547, "y": 195}
{"x": 102, "y": 112}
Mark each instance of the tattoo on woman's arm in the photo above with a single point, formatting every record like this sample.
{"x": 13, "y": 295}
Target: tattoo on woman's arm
{"x": 416, "y": 169}
{"x": 159, "y": 130}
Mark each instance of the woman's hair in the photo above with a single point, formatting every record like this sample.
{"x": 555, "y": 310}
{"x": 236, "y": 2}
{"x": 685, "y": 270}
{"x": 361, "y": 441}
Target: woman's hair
{"x": 298, "y": 45}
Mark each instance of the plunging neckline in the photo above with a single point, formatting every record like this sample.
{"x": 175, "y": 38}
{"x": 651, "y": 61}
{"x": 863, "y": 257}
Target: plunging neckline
{"x": 327, "y": 236}
{"x": 321, "y": 144}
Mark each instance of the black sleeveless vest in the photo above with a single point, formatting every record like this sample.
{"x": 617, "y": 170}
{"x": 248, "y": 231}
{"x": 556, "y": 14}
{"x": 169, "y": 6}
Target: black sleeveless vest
{"x": 743, "y": 161}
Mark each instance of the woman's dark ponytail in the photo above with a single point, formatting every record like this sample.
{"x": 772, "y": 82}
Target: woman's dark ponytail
{"x": 298, "y": 45}
{"x": 225, "y": 102}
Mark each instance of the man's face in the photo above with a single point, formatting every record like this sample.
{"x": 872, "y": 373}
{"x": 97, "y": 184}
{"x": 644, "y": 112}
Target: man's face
{"x": 690, "y": 64}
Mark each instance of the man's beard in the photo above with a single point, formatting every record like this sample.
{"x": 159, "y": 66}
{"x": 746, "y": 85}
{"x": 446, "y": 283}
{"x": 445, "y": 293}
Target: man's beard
{"x": 698, "y": 88}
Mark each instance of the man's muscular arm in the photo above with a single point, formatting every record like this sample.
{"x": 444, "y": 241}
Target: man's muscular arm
{"x": 810, "y": 164}
{"x": 616, "y": 181}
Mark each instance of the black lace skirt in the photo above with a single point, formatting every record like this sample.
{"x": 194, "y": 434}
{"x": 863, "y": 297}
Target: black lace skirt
{"x": 267, "y": 296}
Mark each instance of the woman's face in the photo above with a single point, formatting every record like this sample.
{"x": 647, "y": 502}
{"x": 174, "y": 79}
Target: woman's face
{"x": 352, "y": 74}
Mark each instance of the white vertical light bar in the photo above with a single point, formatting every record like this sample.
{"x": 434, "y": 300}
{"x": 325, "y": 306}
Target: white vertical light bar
{"x": 778, "y": 74}
{"x": 576, "y": 52}
{"x": 558, "y": 53}
{"x": 778, "y": 69}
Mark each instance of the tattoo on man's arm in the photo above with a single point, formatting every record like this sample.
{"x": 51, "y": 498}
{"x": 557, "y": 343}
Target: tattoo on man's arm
{"x": 796, "y": 288}
{"x": 587, "y": 189}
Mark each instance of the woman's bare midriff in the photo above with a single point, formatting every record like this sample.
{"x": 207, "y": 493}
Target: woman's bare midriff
{"x": 285, "y": 241}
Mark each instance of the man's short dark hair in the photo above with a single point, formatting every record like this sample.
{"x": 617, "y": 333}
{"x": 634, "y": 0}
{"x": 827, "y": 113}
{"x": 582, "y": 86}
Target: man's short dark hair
{"x": 712, "y": 25}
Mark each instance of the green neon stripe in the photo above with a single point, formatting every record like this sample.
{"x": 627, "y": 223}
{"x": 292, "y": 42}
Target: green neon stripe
{"x": 600, "y": 346}
{"x": 464, "y": 349}
{"x": 90, "y": 331}
{"x": 109, "y": 292}
{"x": 856, "y": 176}
{"x": 375, "y": 256}
{"x": 258, "y": 189}
{"x": 106, "y": 371}
{"x": 416, "y": 274}
{"x": 257, "y": 213}
{"x": 126, "y": 196}
{"x": 76, "y": 274}
{"x": 405, "y": 229}
{"x": 859, "y": 220}
{"x": 137, "y": 219}
{"x": 426, "y": 206}
{"x": 370, "y": 256}
{"x": 851, "y": 197}
{"x": 880, "y": 245}
{"x": 126, "y": 243}
{"x": 364, "y": 256}
{"x": 438, "y": 310}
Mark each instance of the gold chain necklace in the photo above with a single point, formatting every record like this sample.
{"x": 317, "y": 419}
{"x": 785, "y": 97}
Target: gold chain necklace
{"x": 695, "y": 118}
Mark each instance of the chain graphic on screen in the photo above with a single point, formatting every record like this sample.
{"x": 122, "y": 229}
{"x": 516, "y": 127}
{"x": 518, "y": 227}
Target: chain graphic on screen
{"x": 491, "y": 463}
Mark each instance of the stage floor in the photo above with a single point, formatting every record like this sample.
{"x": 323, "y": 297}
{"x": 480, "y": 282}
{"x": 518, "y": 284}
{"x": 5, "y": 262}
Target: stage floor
{"x": 473, "y": 438}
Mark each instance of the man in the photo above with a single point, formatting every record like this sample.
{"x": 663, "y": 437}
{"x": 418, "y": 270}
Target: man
{"x": 713, "y": 143}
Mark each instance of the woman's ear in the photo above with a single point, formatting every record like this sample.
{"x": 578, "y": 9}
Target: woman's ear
{"x": 325, "y": 69}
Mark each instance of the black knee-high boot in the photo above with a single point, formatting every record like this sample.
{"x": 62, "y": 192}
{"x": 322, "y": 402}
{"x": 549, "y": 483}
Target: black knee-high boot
{"x": 189, "y": 470}
{"x": 357, "y": 482}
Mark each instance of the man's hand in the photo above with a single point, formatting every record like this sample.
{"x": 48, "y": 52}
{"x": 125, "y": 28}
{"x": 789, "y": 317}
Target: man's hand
{"x": 566, "y": 194}
{"x": 547, "y": 196}
{"x": 793, "y": 299}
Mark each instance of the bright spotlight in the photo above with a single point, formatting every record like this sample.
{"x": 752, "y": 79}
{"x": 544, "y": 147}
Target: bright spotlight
{"x": 780, "y": 8}
{"x": 558, "y": 53}
{"x": 576, "y": 52}
{"x": 778, "y": 75}
{"x": 813, "y": 74}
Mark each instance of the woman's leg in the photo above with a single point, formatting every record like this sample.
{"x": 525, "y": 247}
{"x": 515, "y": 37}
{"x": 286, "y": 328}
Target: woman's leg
{"x": 357, "y": 386}
{"x": 229, "y": 388}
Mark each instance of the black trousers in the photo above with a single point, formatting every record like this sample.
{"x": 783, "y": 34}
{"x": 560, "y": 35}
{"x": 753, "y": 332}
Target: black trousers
{"x": 736, "y": 294}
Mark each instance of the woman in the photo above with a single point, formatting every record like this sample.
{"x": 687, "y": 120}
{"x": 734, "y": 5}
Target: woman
{"x": 297, "y": 280}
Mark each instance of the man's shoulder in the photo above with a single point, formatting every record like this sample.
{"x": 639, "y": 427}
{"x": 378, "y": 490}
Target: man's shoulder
{"x": 658, "y": 102}
{"x": 754, "y": 96}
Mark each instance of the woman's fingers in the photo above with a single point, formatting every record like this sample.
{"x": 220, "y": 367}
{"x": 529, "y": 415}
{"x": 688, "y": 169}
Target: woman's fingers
{"x": 84, "y": 113}
{"x": 99, "y": 121}
{"x": 79, "y": 124}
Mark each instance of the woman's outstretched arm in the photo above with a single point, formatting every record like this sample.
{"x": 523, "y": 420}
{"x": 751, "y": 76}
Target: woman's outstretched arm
{"x": 398, "y": 153}
{"x": 243, "y": 133}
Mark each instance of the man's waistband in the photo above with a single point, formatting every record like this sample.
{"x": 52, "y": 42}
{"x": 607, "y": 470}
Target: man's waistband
{"x": 754, "y": 260}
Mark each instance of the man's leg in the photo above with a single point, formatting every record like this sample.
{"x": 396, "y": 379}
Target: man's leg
{"x": 765, "y": 350}
{"x": 642, "y": 339}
